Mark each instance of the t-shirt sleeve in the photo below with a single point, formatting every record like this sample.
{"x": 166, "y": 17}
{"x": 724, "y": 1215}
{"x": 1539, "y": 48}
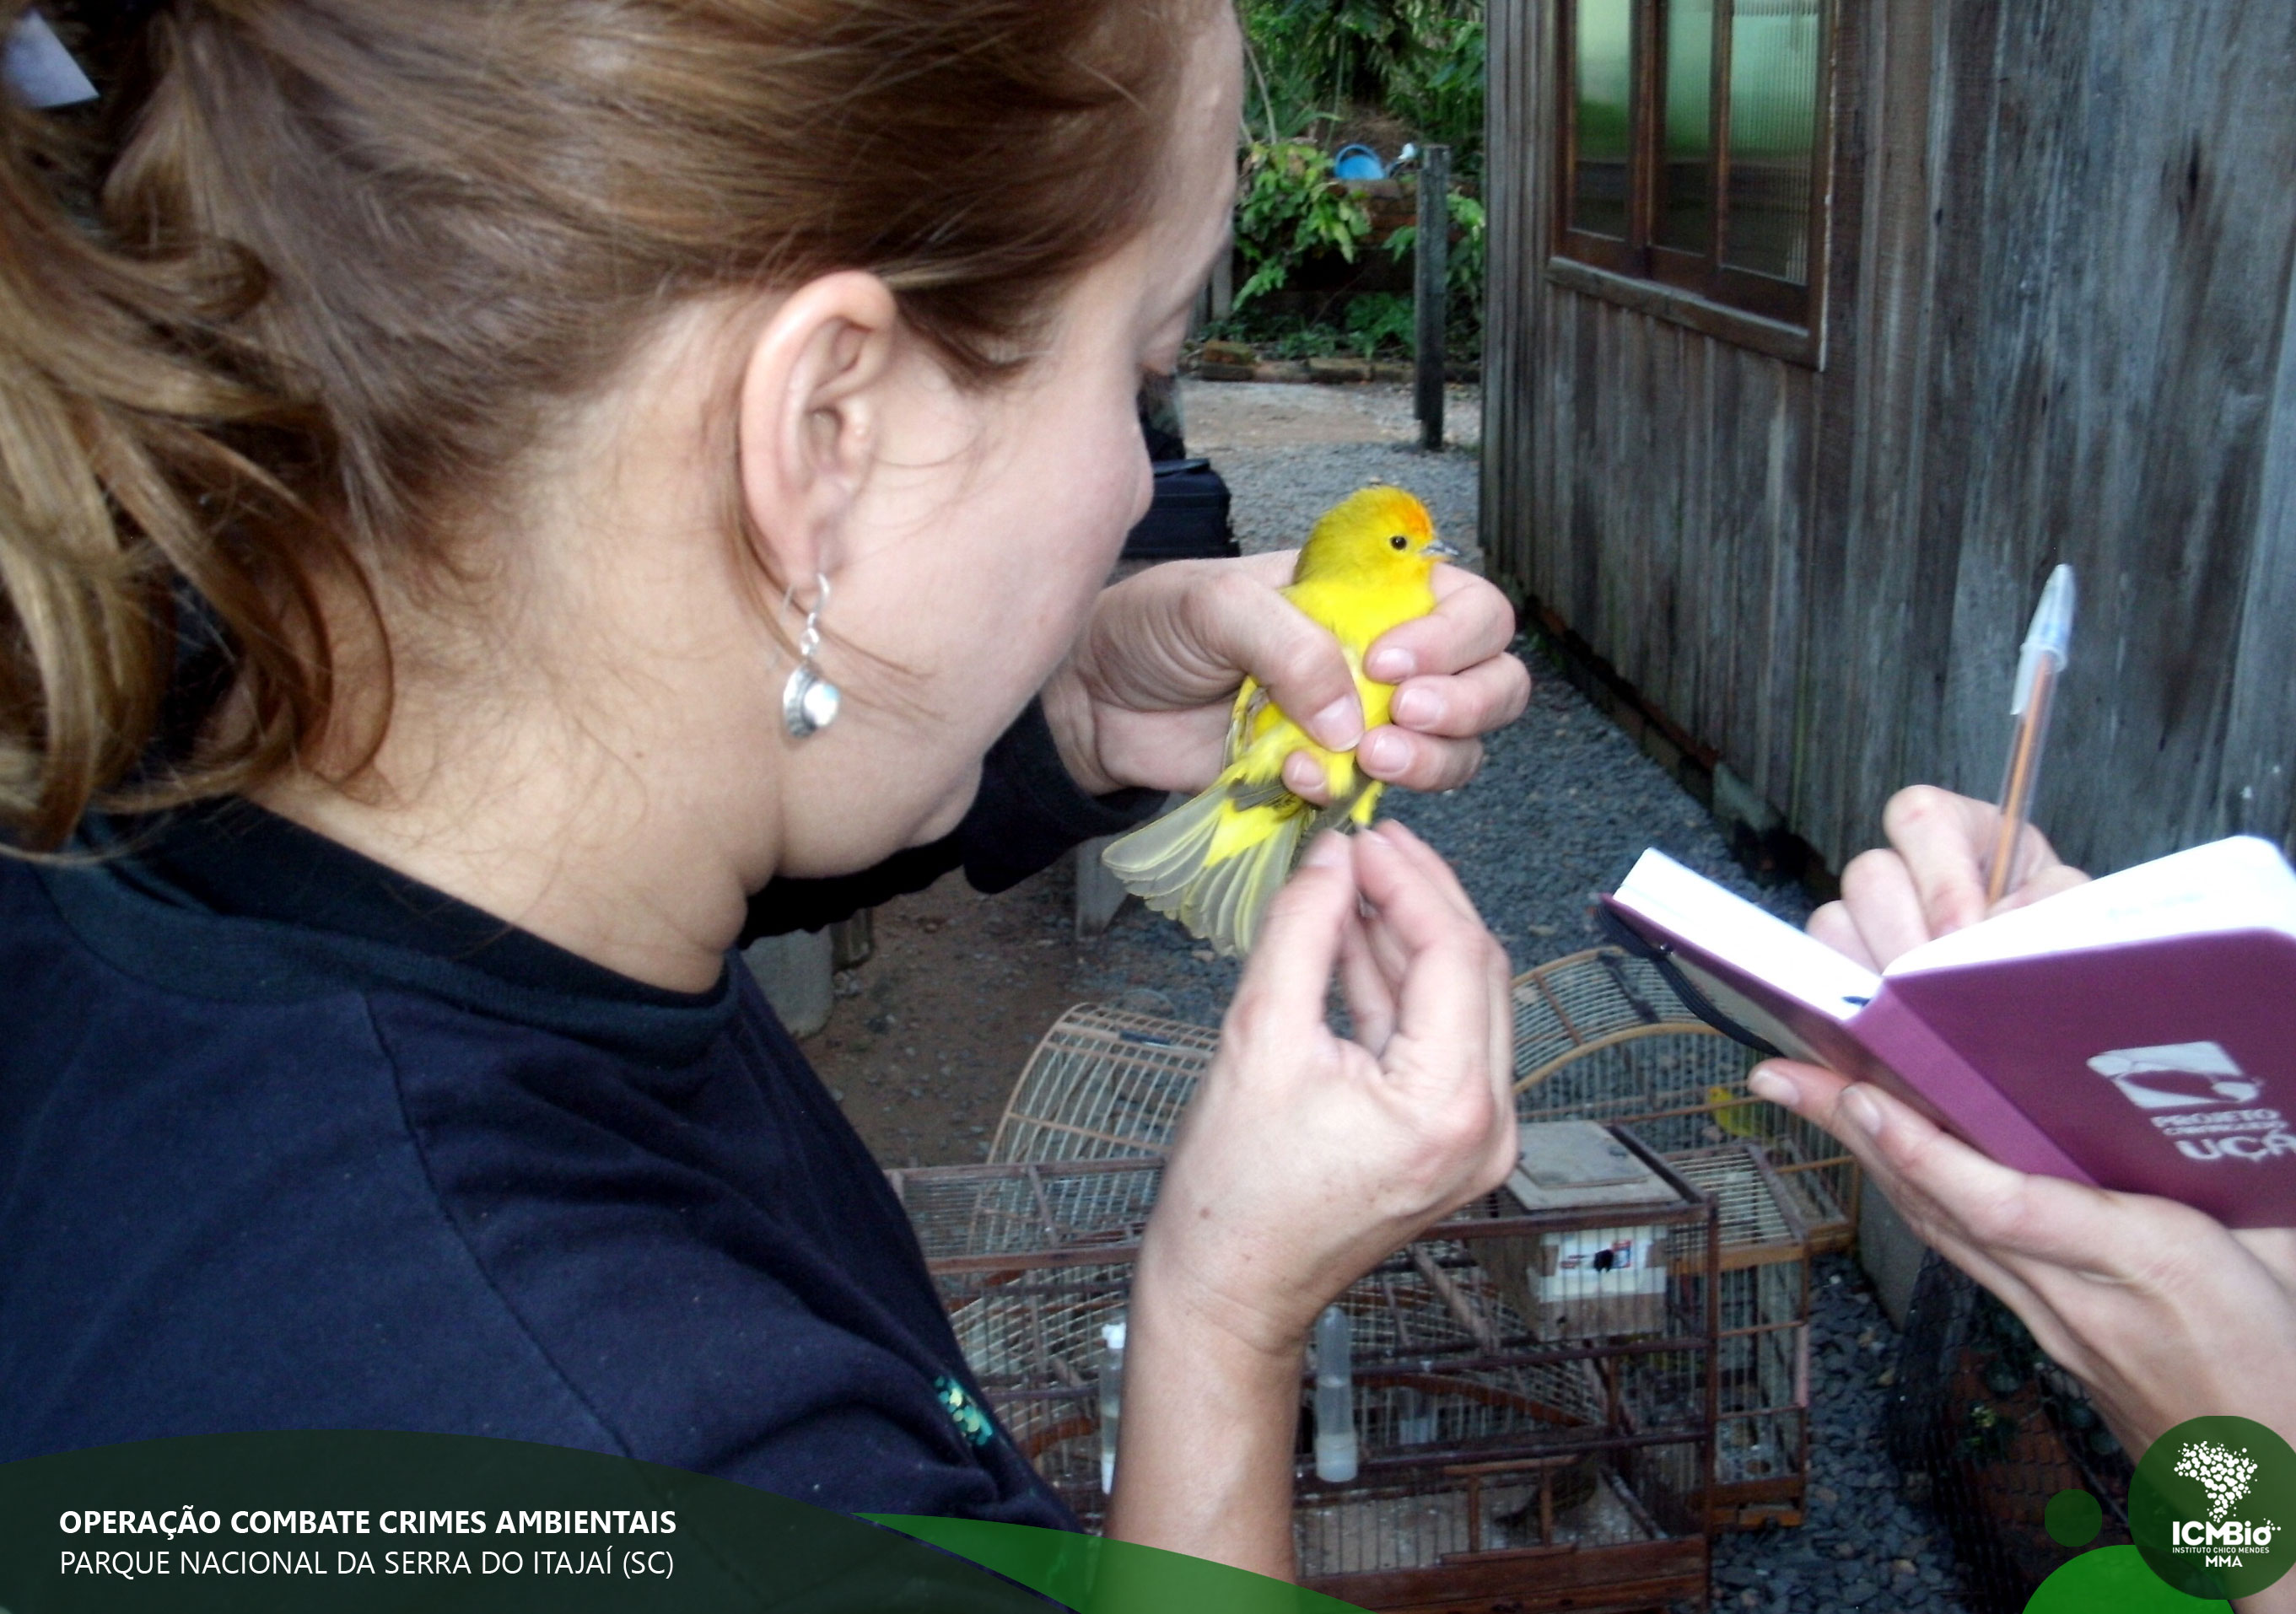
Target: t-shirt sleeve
{"x": 1028, "y": 811}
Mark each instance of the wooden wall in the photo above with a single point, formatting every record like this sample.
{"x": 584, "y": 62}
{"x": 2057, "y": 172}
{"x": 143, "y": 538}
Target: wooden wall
{"x": 2058, "y": 327}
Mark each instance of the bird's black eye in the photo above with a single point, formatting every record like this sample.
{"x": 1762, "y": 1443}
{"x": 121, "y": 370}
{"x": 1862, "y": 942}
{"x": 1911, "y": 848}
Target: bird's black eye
{"x": 1398, "y": 542}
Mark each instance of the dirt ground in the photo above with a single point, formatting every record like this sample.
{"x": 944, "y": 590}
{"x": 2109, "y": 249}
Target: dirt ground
{"x": 927, "y": 1037}
{"x": 1227, "y": 416}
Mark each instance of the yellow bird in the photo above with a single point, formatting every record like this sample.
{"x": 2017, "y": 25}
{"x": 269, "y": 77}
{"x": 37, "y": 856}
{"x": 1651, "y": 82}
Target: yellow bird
{"x": 1214, "y": 863}
{"x": 1737, "y": 1116}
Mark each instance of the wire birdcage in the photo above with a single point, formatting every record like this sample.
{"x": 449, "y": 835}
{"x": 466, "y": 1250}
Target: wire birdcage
{"x": 1102, "y": 1084}
{"x": 1032, "y": 1261}
{"x": 1761, "y": 1436}
{"x": 1601, "y": 1036}
{"x": 1571, "y": 1471}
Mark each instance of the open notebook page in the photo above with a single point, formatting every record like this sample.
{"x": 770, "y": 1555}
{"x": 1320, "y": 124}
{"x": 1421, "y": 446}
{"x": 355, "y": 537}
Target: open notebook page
{"x": 2239, "y": 884}
{"x": 1729, "y": 926}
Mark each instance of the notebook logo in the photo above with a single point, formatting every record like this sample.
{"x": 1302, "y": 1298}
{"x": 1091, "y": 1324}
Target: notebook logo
{"x": 2177, "y": 1075}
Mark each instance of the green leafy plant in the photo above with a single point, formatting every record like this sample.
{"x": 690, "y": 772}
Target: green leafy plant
{"x": 1419, "y": 60}
{"x": 1462, "y": 273}
{"x": 1290, "y": 207}
{"x": 1377, "y": 320}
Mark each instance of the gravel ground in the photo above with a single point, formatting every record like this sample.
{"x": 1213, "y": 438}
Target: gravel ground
{"x": 1863, "y": 1546}
{"x": 1290, "y": 452}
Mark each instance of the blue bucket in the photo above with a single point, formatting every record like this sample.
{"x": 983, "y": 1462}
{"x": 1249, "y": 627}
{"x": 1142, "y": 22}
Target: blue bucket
{"x": 1358, "y": 163}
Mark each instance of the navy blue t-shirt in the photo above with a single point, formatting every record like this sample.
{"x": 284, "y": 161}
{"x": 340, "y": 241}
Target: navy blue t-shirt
{"x": 290, "y": 1141}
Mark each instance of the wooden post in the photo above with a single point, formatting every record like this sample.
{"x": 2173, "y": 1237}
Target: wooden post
{"x": 1432, "y": 253}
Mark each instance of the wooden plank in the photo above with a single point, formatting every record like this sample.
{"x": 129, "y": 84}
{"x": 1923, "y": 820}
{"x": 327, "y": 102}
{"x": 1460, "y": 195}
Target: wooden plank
{"x": 2254, "y": 782}
{"x": 2059, "y": 312}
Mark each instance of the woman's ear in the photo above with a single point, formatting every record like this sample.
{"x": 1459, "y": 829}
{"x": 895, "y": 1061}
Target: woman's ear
{"x": 809, "y": 417}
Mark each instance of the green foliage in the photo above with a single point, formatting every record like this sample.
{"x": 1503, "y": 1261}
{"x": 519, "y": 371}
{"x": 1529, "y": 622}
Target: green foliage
{"x": 1419, "y": 61}
{"x": 1462, "y": 270}
{"x": 1289, "y": 208}
{"x": 1313, "y": 65}
{"x": 1382, "y": 320}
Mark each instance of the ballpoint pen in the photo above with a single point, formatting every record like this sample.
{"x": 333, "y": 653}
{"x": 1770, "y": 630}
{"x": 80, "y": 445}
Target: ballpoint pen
{"x": 2038, "y": 667}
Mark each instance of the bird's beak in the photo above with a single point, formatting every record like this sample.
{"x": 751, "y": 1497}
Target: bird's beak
{"x": 1441, "y": 551}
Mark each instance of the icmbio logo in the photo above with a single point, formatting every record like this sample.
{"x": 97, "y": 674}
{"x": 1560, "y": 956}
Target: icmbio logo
{"x": 2207, "y": 1506}
{"x": 2225, "y": 1476}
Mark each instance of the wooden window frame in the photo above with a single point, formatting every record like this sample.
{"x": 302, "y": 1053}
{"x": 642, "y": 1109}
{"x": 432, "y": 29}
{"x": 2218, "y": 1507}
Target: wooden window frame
{"x": 1696, "y": 290}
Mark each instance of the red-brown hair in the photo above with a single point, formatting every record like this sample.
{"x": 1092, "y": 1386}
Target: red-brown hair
{"x": 351, "y": 254}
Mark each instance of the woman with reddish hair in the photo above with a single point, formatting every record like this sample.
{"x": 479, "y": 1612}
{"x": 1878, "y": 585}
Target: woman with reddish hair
{"x": 500, "y": 501}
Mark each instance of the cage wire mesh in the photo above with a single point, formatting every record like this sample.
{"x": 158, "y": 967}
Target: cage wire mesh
{"x": 1032, "y": 1261}
{"x": 1985, "y": 1429}
{"x": 1761, "y": 1437}
{"x": 1102, "y": 1084}
{"x": 1601, "y": 1036}
{"x": 1478, "y": 1435}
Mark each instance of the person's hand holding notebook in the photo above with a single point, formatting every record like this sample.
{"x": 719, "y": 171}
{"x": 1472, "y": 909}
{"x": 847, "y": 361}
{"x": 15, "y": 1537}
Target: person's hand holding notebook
{"x": 2164, "y": 1311}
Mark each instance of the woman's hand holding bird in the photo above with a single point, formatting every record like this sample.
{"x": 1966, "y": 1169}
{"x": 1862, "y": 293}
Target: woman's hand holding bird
{"x": 1298, "y": 760}
{"x": 1144, "y": 697}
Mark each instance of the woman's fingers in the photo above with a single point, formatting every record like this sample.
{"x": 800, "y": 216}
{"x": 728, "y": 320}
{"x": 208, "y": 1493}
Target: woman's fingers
{"x": 1287, "y": 981}
{"x": 2018, "y": 1219}
{"x": 1240, "y": 623}
{"x": 1933, "y": 881}
{"x": 1472, "y": 622}
{"x": 1419, "y": 762}
{"x": 1430, "y": 742}
{"x": 1473, "y": 700}
{"x": 1304, "y": 777}
{"x": 1431, "y": 867}
{"x": 1369, "y": 986}
{"x": 1879, "y": 894}
{"x": 2045, "y": 883}
{"x": 1443, "y": 1009}
{"x": 1455, "y": 682}
{"x": 1835, "y": 925}
{"x": 1946, "y": 841}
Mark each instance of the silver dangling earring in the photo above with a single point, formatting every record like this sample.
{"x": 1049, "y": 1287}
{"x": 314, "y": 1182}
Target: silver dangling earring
{"x": 809, "y": 701}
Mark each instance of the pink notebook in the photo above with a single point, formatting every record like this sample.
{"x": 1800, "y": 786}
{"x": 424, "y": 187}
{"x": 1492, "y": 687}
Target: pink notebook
{"x": 2137, "y": 1033}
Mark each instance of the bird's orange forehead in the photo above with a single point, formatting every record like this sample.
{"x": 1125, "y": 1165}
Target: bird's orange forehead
{"x": 1394, "y": 507}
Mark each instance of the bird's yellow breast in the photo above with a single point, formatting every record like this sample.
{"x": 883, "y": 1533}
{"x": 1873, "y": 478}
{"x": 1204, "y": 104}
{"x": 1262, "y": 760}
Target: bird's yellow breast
{"x": 1358, "y": 609}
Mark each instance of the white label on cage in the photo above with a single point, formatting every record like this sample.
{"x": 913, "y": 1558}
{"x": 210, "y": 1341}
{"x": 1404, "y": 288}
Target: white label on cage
{"x": 1596, "y": 1261}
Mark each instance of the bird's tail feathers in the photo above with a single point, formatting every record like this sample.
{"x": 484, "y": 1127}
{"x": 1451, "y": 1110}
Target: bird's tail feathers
{"x": 1215, "y": 871}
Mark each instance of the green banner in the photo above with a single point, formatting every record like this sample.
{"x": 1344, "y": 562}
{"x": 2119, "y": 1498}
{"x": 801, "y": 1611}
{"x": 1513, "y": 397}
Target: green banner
{"x": 351, "y": 1522}
{"x": 1099, "y": 1576}
{"x": 2115, "y": 1580}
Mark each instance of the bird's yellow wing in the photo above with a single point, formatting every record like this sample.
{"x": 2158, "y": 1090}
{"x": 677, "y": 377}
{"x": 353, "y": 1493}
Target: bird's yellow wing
{"x": 1216, "y": 862}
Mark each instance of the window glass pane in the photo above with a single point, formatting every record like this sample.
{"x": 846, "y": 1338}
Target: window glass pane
{"x": 1685, "y": 175}
{"x": 1773, "y": 135}
{"x": 1603, "y": 36}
